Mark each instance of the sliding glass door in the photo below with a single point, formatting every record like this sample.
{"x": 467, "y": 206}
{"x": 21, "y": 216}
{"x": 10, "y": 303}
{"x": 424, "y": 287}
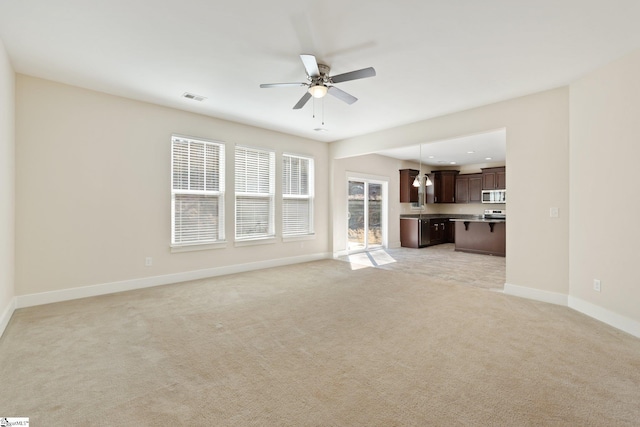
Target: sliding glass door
{"x": 367, "y": 209}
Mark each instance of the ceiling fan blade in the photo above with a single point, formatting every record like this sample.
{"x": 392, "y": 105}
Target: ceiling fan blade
{"x": 265, "y": 85}
{"x": 310, "y": 65}
{"x": 342, "y": 95}
{"x": 354, "y": 75}
{"x": 302, "y": 101}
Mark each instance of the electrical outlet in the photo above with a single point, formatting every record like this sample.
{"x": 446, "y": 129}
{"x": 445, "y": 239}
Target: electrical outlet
{"x": 596, "y": 285}
{"x": 148, "y": 261}
{"x": 554, "y": 212}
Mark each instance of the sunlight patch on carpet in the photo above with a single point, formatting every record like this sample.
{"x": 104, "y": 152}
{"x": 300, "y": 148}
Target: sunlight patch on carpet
{"x": 362, "y": 260}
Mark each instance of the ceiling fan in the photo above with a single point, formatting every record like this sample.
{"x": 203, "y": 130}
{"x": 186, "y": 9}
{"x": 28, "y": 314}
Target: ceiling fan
{"x": 320, "y": 83}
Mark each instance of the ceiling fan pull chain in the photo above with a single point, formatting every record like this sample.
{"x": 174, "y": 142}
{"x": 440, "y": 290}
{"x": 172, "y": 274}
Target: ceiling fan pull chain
{"x": 322, "y": 111}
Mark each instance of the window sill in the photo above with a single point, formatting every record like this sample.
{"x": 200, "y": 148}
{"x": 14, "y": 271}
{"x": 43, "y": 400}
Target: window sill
{"x": 198, "y": 247}
{"x": 252, "y": 242}
{"x": 299, "y": 237}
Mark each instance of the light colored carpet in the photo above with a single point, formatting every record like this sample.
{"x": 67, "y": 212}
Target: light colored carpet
{"x": 316, "y": 344}
{"x": 440, "y": 262}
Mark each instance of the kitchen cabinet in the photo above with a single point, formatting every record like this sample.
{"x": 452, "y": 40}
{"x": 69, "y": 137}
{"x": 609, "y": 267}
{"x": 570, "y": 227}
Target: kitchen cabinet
{"x": 443, "y": 189}
{"x": 436, "y": 232}
{"x": 469, "y": 188}
{"x": 481, "y": 237}
{"x": 462, "y": 189}
{"x": 475, "y": 188}
{"x": 449, "y": 232}
{"x": 494, "y": 178}
{"x": 410, "y": 233}
{"x": 421, "y": 232}
{"x": 441, "y": 231}
{"x": 408, "y": 193}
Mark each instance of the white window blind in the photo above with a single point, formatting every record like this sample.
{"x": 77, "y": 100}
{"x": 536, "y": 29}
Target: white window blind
{"x": 255, "y": 190}
{"x": 297, "y": 195}
{"x": 197, "y": 191}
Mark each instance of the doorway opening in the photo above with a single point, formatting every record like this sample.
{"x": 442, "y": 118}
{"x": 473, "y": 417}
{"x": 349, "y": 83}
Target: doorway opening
{"x": 367, "y": 214}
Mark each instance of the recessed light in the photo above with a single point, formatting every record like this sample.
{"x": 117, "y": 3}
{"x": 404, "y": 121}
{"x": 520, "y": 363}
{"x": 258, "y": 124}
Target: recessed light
{"x": 488, "y": 158}
{"x": 452, "y": 163}
{"x": 321, "y": 130}
{"x": 431, "y": 157}
{"x": 470, "y": 152}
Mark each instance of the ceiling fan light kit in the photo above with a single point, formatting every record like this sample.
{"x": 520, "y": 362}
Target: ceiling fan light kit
{"x": 320, "y": 82}
{"x": 318, "y": 91}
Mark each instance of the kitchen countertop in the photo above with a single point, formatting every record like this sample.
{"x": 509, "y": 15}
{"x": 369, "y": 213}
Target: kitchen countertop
{"x": 453, "y": 217}
{"x": 438, "y": 216}
{"x": 495, "y": 220}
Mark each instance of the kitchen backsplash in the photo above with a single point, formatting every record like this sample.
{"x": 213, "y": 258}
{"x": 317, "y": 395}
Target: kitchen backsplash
{"x": 451, "y": 208}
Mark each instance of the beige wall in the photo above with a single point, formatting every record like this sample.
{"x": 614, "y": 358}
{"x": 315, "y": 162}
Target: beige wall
{"x": 7, "y": 186}
{"x": 374, "y": 166}
{"x": 90, "y": 178}
{"x": 605, "y": 146}
{"x": 537, "y": 129}
{"x": 93, "y": 189}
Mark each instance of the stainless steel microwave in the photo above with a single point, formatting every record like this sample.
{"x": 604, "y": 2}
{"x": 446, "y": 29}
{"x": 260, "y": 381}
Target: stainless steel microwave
{"x": 494, "y": 196}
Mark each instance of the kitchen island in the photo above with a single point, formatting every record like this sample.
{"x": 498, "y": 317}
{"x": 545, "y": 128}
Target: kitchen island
{"x": 480, "y": 235}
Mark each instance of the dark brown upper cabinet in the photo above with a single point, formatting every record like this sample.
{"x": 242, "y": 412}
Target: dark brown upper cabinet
{"x": 494, "y": 178}
{"x": 469, "y": 188}
{"x": 443, "y": 189}
{"x": 408, "y": 193}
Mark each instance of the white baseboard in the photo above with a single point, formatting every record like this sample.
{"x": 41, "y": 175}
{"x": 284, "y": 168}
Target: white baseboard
{"x": 616, "y": 320}
{"x": 609, "y": 317}
{"x": 147, "y": 282}
{"x": 6, "y": 315}
{"x": 536, "y": 294}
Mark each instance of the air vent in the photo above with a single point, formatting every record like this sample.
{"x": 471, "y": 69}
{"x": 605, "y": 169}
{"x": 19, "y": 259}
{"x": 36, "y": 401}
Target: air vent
{"x": 193, "y": 96}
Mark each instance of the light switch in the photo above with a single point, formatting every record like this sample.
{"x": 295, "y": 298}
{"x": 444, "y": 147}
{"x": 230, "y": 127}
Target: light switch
{"x": 554, "y": 212}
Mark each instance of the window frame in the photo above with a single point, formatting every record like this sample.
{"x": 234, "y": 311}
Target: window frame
{"x": 308, "y": 197}
{"x": 241, "y": 193}
{"x": 218, "y": 194}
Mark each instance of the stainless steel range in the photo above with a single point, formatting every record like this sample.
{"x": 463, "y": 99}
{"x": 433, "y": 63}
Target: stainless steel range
{"x": 495, "y": 214}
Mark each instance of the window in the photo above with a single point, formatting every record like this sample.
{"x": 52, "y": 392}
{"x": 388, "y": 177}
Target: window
{"x": 255, "y": 190}
{"x": 297, "y": 195}
{"x": 197, "y": 191}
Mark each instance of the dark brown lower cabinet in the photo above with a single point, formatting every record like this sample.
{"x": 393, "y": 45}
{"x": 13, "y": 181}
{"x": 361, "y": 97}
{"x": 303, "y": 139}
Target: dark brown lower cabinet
{"x": 481, "y": 237}
{"x": 450, "y": 232}
{"x": 409, "y": 233}
{"x": 418, "y": 233}
{"x": 436, "y": 232}
{"x": 443, "y": 231}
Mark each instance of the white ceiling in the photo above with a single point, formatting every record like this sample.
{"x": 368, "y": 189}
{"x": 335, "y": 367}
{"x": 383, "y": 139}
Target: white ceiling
{"x": 482, "y": 148}
{"x": 432, "y": 57}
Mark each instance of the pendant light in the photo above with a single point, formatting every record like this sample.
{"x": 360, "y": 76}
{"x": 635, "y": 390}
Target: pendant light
{"x": 416, "y": 182}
